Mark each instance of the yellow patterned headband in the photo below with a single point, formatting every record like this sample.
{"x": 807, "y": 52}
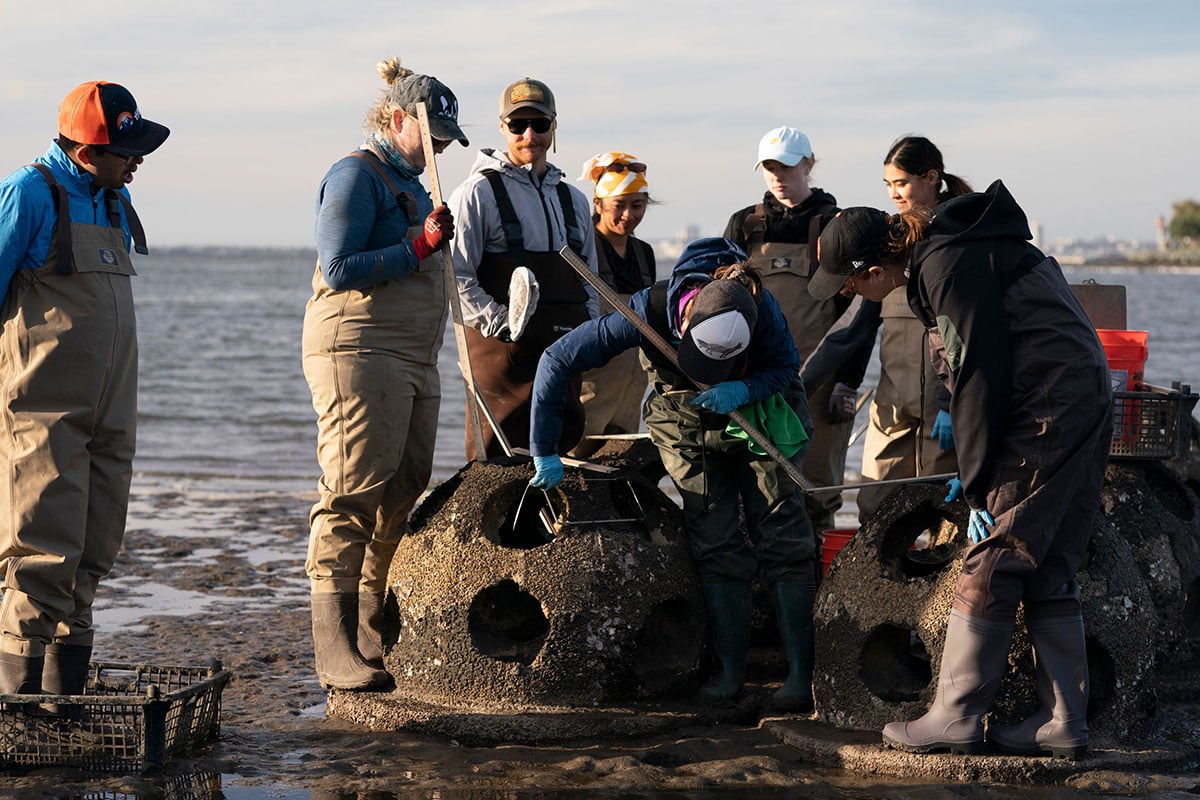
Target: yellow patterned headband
{"x": 615, "y": 174}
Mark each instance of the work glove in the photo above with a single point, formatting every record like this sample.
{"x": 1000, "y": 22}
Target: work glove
{"x": 841, "y": 403}
{"x": 723, "y": 398}
{"x": 956, "y": 490}
{"x": 548, "y": 472}
{"x": 438, "y": 227}
{"x": 942, "y": 431}
{"x": 977, "y": 527}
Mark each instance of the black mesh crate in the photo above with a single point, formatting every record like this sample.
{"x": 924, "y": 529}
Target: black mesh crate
{"x": 1152, "y": 424}
{"x": 131, "y": 718}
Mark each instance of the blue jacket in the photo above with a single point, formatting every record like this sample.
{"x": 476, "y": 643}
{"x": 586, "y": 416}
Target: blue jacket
{"x": 27, "y": 212}
{"x": 361, "y": 228}
{"x": 772, "y": 359}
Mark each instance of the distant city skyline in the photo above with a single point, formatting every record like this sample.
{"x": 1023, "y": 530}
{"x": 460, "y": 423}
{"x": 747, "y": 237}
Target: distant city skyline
{"x": 1084, "y": 109}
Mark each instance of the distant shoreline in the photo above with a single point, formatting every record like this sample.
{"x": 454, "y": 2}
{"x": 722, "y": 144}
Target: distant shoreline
{"x": 1149, "y": 259}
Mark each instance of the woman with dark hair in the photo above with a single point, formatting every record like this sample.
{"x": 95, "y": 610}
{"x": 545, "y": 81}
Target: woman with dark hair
{"x": 612, "y": 395}
{"x": 1032, "y": 414}
{"x": 733, "y": 338}
{"x": 909, "y": 432}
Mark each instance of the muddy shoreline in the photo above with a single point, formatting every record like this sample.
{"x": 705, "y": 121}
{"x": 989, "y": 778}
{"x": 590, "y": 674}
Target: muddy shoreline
{"x": 213, "y": 577}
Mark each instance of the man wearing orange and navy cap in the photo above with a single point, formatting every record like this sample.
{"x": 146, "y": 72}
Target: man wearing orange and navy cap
{"x": 68, "y": 382}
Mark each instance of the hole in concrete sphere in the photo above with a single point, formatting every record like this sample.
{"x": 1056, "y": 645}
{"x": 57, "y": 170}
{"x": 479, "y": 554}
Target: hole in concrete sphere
{"x": 919, "y": 544}
{"x": 527, "y": 531}
{"x": 1168, "y": 490}
{"x": 1191, "y": 611}
{"x": 1102, "y": 677}
{"x": 507, "y": 623}
{"x": 895, "y": 664}
{"x": 665, "y": 646}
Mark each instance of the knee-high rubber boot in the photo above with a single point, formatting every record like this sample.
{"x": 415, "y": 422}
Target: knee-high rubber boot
{"x": 370, "y": 628}
{"x": 728, "y": 605}
{"x": 793, "y": 608}
{"x": 65, "y": 671}
{"x": 974, "y": 660}
{"x": 1059, "y": 726}
{"x": 335, "y": 631}
{"x": 21, "y": 674}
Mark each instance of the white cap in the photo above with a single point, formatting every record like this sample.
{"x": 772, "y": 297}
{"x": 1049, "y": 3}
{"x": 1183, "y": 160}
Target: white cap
{"x": 785, "y": 145}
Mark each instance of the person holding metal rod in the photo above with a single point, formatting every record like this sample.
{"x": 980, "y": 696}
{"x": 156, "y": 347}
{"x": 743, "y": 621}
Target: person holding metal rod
{"x": 1031, "y": 409}
{"x": 734, "y": 353}
{"x": 372, "y": 331}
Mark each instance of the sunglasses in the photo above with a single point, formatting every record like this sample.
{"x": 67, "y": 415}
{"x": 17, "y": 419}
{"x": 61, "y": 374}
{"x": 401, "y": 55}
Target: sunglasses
{"x": 616, "y": 166}
{"x": 539, "y": 124}
{"x": 102, "y": 151}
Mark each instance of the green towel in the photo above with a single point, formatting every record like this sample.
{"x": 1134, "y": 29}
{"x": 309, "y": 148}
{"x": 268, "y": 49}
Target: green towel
{"x": 776, "y": 420}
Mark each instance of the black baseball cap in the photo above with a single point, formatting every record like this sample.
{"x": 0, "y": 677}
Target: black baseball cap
{"x": 853, "y": 240}
{"x": 720, "y": 325}
{"x": 103, "y": 113}
{"x": 440, "y": 104}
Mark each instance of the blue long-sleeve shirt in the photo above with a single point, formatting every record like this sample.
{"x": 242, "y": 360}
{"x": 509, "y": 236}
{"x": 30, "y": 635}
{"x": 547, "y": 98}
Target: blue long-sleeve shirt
{"x": 772, "y": 362}
{"x": 361, "y": 228}
{"x": 28, "y": 213}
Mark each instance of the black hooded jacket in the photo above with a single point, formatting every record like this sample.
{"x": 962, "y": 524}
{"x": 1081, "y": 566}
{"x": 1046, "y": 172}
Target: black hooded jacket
{"x": 1016, "y": 340}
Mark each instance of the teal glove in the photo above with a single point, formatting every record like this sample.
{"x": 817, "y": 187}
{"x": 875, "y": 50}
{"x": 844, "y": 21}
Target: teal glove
{"x": 724, "y": 397}
{"x": 548, "y": 472}
{"x": 977, "y": 527}
{"x": 942, "y": 430}
{"x": 956, "y": 490}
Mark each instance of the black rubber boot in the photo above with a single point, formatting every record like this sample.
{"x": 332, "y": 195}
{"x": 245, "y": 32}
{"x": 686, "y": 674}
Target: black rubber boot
{"x": 335, "y": 630}
{"x": 974, "y": 659}
{"x": 728, "y": 607}
{"x": 21, "y": 674}
{"x": 793, "y": 608}
{"x": 1059, "y": 727}
{"x": 65, "y": 671}
{"x": 370, "y": 628}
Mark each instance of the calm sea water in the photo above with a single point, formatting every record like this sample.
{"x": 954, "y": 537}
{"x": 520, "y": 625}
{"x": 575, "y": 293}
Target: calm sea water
{"x": 224, "y": 403}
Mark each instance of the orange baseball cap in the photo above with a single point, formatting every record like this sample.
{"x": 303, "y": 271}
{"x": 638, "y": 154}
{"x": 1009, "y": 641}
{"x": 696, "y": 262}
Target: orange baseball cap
{"x": 103, "y": 113}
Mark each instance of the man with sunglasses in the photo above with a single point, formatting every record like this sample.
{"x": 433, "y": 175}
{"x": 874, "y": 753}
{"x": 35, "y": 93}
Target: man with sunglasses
{"x": 68, "y": 379}
{"x": 516, "y": 210}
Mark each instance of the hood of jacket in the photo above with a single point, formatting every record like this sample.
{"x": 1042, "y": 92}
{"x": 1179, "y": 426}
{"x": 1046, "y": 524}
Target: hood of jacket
{"x": 991, "y": 214}
{"x": 695, "y": 267}
{"x": 497, "y": 161}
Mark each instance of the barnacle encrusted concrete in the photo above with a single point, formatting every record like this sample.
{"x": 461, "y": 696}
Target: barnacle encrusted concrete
{"x": 490, "y": 606}
{"x": 882, "y": 609}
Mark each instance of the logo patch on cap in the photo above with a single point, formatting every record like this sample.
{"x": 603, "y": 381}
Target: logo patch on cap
{"x": 526, "y": 92}
{"x": 449, "y": 107}
{"x": 126, "y": 121}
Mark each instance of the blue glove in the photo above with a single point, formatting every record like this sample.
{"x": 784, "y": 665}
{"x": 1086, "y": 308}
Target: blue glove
{"x": 724, "y": 397}
{"x": 977, "y": 528}
{"x": 548, "y": 472}
{"x": 942, "y": 430}
{"x": 956, "y": 490}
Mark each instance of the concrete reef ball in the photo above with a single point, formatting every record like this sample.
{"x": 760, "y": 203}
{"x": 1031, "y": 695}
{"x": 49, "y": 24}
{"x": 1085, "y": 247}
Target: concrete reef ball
{"x": 486, "y": 607}
{"x": 882, "y": 609}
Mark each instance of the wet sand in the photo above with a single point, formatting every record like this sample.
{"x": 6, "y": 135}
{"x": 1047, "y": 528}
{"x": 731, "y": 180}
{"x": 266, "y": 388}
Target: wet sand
{"x": 222, "y": 576}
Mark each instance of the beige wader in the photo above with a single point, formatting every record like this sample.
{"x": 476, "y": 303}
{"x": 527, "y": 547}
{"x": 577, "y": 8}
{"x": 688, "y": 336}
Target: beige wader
{"x": 68, "y": 378}
{"x": 786, "y": 270}
{"x": 370, "y": 358}
{"x": 897, "y": 443}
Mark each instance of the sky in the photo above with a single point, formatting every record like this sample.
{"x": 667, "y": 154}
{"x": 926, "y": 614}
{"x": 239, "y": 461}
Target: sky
{"x": 1086, "y": 110}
